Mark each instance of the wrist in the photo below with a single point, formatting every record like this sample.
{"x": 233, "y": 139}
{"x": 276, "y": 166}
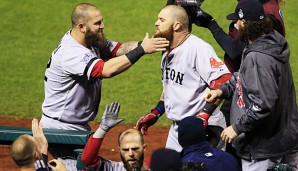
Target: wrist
{"x": 134, "y": 55}
{"x": 209, "y": 108}
{"x": 99, "y": 133}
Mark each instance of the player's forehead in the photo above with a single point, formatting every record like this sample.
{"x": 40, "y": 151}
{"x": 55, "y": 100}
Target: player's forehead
{"x": 165, "y": 15}
{"x": 95, "y": 15}
{"x": 130, "y": 140}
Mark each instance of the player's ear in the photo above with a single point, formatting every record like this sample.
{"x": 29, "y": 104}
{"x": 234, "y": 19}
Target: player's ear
{"x": 82, "y": 27}
{"x": 176, "y": 26}
{"x": 145, "y": 147}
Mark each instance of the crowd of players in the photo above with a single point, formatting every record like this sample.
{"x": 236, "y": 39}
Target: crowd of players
{"x": 259, "y": 115}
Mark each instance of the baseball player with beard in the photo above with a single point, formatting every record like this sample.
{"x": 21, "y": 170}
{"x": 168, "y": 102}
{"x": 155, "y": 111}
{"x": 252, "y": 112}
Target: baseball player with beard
{"x": 190, "y": 67}
{"x": 77, "y": 66}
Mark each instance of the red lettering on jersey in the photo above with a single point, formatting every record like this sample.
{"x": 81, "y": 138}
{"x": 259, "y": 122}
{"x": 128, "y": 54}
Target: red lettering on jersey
{"x": 215, "y": 64}
{"x": 239, "y": 91}
{"x": 240, "y": 102}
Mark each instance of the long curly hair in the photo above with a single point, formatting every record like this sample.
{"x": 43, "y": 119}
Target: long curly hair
{"x": 255, "y": 29}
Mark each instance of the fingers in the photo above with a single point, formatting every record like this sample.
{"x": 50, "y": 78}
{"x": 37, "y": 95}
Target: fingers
{"x": 34, "y": 127}
{"x": 119, "y": 121}
{"x": 115, "y": 107}
{"x": 147, "y": 36}
{"x": 144, "y": 130}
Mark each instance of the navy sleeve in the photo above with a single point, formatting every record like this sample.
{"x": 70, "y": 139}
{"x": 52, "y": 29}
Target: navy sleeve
{"x": 233, "y": 47}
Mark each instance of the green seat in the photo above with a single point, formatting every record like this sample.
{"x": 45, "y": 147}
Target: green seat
{"x": 55, "y": 137}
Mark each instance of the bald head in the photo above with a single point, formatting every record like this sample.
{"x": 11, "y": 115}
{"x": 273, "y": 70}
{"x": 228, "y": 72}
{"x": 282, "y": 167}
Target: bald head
{"x": 133, "y": 132}
{"x": 23, "y": 150}
{"x": 176, "y": 13}
{"x": 80, "y": 13}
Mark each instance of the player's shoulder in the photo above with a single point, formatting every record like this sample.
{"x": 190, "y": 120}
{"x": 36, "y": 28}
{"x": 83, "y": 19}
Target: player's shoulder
{"x": 68, "y": 45}
{"x": 198, "y": 42}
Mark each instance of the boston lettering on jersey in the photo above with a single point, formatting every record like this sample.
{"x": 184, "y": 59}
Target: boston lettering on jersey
{"x": 173, "y": 75}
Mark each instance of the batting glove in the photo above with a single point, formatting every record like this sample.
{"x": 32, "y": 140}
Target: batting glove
{"x": 146, "y": 121}
{"x": 204, "y": 116}
{"x": 206, "y": 113}
{"x": 110, "y": 117}
{"x": 202, "y": 18}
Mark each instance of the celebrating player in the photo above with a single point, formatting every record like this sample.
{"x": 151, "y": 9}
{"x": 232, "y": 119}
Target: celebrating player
{"x": 77, "y": 66}
{"x": 131, "y": 145}
{"x": 264, "y": 111}
{"x": 74, "y": 73}
{"x": 189, "y": 68}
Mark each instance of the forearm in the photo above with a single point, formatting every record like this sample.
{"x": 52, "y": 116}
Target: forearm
{"x": 233, "y": 47}
{"x": 115, "y": 66}
{"x": 90, "y": 153}
{"x": 126, "y": 47}
{"x": 229, "y": 87}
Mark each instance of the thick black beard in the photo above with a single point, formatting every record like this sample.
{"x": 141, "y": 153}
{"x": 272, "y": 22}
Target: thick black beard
{"x": 137, "y": 165}
{"x": 94, "y": 40}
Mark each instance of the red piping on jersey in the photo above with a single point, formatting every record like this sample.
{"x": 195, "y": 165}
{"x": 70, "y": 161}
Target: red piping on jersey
{"x": 97, "y": 69}
{"x": 114, "y": 52}
{"x": 215, "y": 84}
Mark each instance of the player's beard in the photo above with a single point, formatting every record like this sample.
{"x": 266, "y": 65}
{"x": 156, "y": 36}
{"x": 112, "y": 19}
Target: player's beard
{"x": 95, "y": 40}
{"x": 168, "y": 34}
{"x": 138, "y": 164}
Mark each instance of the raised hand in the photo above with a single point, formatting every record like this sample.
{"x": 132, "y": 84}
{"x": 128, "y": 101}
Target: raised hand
{"x": 38, "y": 135}
{"x": 110, "y": 116}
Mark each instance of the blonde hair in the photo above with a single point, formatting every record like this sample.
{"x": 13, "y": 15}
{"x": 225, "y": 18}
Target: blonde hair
{"x": 128, "y": 132}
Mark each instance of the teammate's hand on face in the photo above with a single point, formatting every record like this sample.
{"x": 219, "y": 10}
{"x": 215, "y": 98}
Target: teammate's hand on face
{"x": 151, "y": 45}
{"x": 228, "y": 134}
{"x": 213, "y": 95}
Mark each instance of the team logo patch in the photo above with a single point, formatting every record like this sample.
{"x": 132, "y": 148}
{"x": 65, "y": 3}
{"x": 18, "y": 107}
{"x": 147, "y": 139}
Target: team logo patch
{"x": 87, "y": 57}
{"x": 240, "y": 13}
{"x": 215, "y": 64}
{"x": 208, "y": 154}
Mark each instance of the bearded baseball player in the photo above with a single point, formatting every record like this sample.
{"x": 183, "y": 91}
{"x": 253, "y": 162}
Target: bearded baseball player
{"x": 190, "y": 67}
{"x": 131, "y": 145}
{"x": 74, "y": 73}
{"x": 77, "y": 66}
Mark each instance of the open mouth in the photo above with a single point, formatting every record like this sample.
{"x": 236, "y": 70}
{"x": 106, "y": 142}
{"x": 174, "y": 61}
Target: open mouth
{"x": 132, "y": 161}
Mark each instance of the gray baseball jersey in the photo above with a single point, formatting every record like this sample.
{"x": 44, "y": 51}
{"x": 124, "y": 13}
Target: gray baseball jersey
{"x": 187, "y": 71}
{"x": 72, "y": 96}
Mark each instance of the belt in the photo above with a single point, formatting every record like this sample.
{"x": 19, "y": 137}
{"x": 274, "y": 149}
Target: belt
{"x": 176, "y": 123}
{"x": 57, "y": 119}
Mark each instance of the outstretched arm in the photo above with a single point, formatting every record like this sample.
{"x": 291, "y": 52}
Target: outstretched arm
{"x": 108, "y": 121}
{"x": 119, "y": 64}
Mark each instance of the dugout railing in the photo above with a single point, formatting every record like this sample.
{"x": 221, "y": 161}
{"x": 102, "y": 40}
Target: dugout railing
{"x": 67, "y": 139}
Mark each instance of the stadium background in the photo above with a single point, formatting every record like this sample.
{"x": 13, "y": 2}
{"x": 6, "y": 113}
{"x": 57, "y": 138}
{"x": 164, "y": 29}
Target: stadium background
{"x": 31, "y": 30}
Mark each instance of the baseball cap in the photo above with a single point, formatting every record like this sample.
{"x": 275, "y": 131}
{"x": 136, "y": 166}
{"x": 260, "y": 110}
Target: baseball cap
{"x": 191, "y": 131}
{"x": 248, "y": 10}
{"x": 164, "y": 159}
